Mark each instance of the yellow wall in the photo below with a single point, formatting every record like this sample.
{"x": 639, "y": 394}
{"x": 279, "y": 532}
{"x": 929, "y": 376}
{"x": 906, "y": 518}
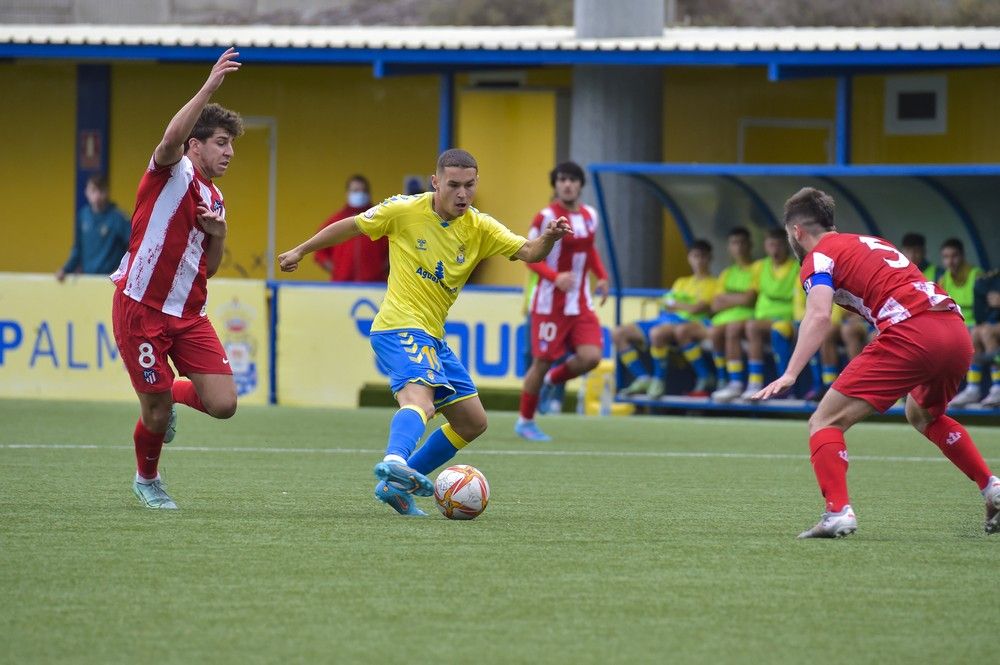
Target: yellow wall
{"x": 512, "y": 135}
{"x": 332, "y": 122}
{"x": 37, "y": 174}
{"x": 971, "y": 136}
{"x": 703, "y": 106}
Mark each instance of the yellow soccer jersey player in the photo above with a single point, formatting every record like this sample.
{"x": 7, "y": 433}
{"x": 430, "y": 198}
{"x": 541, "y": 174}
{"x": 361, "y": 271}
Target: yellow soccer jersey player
{"x": 435, "y": 241}
{"x": 431, "y": 259}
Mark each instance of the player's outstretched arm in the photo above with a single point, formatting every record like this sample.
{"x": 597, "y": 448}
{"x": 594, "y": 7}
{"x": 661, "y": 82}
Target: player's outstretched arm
{"x": 171, "y": 148}
{"x": 539, "y": 247}
{"x": 328, "y": 236}
{"x": 813, "y": 330}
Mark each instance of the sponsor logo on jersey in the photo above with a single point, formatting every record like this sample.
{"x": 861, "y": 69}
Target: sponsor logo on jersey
{"x": 437, "y": 276}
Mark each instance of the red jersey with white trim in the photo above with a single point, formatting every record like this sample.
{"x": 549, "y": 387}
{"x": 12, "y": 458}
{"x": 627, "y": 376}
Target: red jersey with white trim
{"x": 165, "y": 265}
{"x": 576, "y": 254}
{"x": 872, "y": 278}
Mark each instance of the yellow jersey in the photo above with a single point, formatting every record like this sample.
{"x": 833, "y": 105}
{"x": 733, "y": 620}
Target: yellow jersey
{"x": 430, "y": 259}
{"x": 692, "y": 290}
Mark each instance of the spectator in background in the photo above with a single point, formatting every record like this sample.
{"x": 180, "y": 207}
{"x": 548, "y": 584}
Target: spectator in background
{"x": 914, "y": 247}
{"x": 733, "y": 306}
{"x": 986, "y": 334}
{"x": 958, "y": 278}
{"x": 100, "y": 235}
{"x": 358, "y": 259}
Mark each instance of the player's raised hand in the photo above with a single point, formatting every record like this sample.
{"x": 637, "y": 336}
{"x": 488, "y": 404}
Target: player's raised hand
{"x": 557, "y": 229}
{"x": 289, "y": 261}
{"x": 779, "y": 386}
{"x": 211, "y": 222}
{"x": 226, "y": 64}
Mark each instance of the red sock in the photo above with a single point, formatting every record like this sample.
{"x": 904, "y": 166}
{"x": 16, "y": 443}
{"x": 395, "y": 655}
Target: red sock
{"x": 828, "y": 455}
{"x": 561, "y": 374}
{"x": 184, "y": 393}
{"x": 529, "y": 403}
{"x": 956, "y": 444}
{"x": 147, "y": 450}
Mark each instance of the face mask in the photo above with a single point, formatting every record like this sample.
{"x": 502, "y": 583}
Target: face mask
{"x": 357, "y": 199}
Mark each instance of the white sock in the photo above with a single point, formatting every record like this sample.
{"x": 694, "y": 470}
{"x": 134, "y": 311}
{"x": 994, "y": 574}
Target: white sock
{"x": 146, "y": 481}
{"x": 521, "y": 420}
{"x": 394, "y": 458}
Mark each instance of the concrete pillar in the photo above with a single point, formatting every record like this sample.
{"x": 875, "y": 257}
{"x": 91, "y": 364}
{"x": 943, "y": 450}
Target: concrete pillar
{"x": 617, "y": 116}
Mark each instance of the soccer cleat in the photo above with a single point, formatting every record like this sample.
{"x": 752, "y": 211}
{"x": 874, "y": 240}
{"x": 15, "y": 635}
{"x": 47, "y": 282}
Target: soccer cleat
{"x": 153, "y": 495}
{"x": 728, "y": 392}
{"x": 833, "y": 525}
{"x": 171, "y": 432}
{"x": 546, "y": 396}
{"x": 638, "y": 386}
{"x": 529, "y": 430}
{"x": 702, "y": 388}
{"x": 969, "y": 395}
{"x": 402, "y": 502}
{"x": 403, "y": 478}
{"x": 752, "y": 389}
{"x": 992, "y": 398}
{"x": 556, "y": 398}
{"x": 992, "y": 496}
{"x": 656, "y": 389}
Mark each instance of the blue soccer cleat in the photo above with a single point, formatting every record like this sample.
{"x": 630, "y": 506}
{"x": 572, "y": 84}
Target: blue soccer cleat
{"x": 529, "y": 430}
{"x": 403, "y": 478}
{"x": 545, "y": 397}
{"x": 398, "y": 500}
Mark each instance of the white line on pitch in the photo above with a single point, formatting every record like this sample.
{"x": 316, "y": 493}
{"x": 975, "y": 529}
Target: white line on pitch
{"x": 514, "y": 453}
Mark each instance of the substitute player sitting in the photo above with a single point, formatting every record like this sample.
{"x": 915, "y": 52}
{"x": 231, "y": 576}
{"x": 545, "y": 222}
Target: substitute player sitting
{"x": 436, "y": 240}
{"x": 684, "y": 323}
{"x": 562, "y": 310}
{"x": 922, "y": 349}
{"x": 178, "y": 235}
{"x": 775, "y": 284}
{"x": 733, "y": 306}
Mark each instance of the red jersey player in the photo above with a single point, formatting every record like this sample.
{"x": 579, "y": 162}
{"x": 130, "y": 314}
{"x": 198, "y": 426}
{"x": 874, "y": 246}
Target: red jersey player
{"x": 562, "y": 311}
{"x": 178, "y": 234}
{"x": 922, "y": 349}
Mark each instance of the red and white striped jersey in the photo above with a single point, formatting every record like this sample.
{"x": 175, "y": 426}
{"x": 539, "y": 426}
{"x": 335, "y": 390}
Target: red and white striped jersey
{"x": 576, "y": 254}
{"x": 871, "y": 277}
{"x": 165, "y": 264}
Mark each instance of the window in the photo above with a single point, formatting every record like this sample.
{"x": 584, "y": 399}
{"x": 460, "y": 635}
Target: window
{"x": 916, "y": 104}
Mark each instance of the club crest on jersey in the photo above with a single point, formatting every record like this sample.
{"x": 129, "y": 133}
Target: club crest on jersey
{"x": 149, "y": 375}
{"x": 421, "y": 244}
{"x": 461, "y": 254}
{"x": 216, "y": 206}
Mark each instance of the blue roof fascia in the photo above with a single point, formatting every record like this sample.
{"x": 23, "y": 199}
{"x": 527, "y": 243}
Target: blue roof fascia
{"x": 800, "y": 170}
{"x": 777, "y": 72}
{"x": 467, "y": 57}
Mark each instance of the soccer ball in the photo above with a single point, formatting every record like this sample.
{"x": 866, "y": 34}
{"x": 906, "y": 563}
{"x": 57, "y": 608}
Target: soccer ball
{"x": 461, "y": 492}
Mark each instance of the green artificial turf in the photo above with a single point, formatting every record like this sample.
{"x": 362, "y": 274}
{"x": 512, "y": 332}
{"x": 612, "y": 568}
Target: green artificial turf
{"x": 625, "y": 540}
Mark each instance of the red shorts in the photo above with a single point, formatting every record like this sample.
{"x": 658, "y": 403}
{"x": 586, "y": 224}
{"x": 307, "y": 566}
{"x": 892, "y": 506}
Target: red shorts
{"x": 926, "y": 356}
{"x": 555, "y": 335}
{"x": 146, "y": 337}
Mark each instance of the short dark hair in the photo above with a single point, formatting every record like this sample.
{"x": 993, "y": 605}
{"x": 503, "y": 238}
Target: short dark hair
{"x": 458, "y": 158}
{"x": 213, "y": 117}
{"x": 776, "y": 233}
{"x": 357, "y": 177}
{"x": 98, "y": 180}
{"x": 914, "y": 240}
{"x": 954, "y": 243}
{"x": 571, "y": 169}
{"x": 739, "y": 231}
{"x": 700, "y": 245}
{"x": 811, "y": 208}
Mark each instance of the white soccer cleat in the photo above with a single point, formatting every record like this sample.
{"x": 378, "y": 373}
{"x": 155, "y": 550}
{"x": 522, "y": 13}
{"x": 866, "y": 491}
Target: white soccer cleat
{"x": 969, "y": 395}
{"x": 992, "y": 496}
{"x": 171, "y": 432}
{"x": 728, "y": 392}
{"x": 834, "y": 525}
{"x": 752, "y": 389}
{"x": 992, "y": 398}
